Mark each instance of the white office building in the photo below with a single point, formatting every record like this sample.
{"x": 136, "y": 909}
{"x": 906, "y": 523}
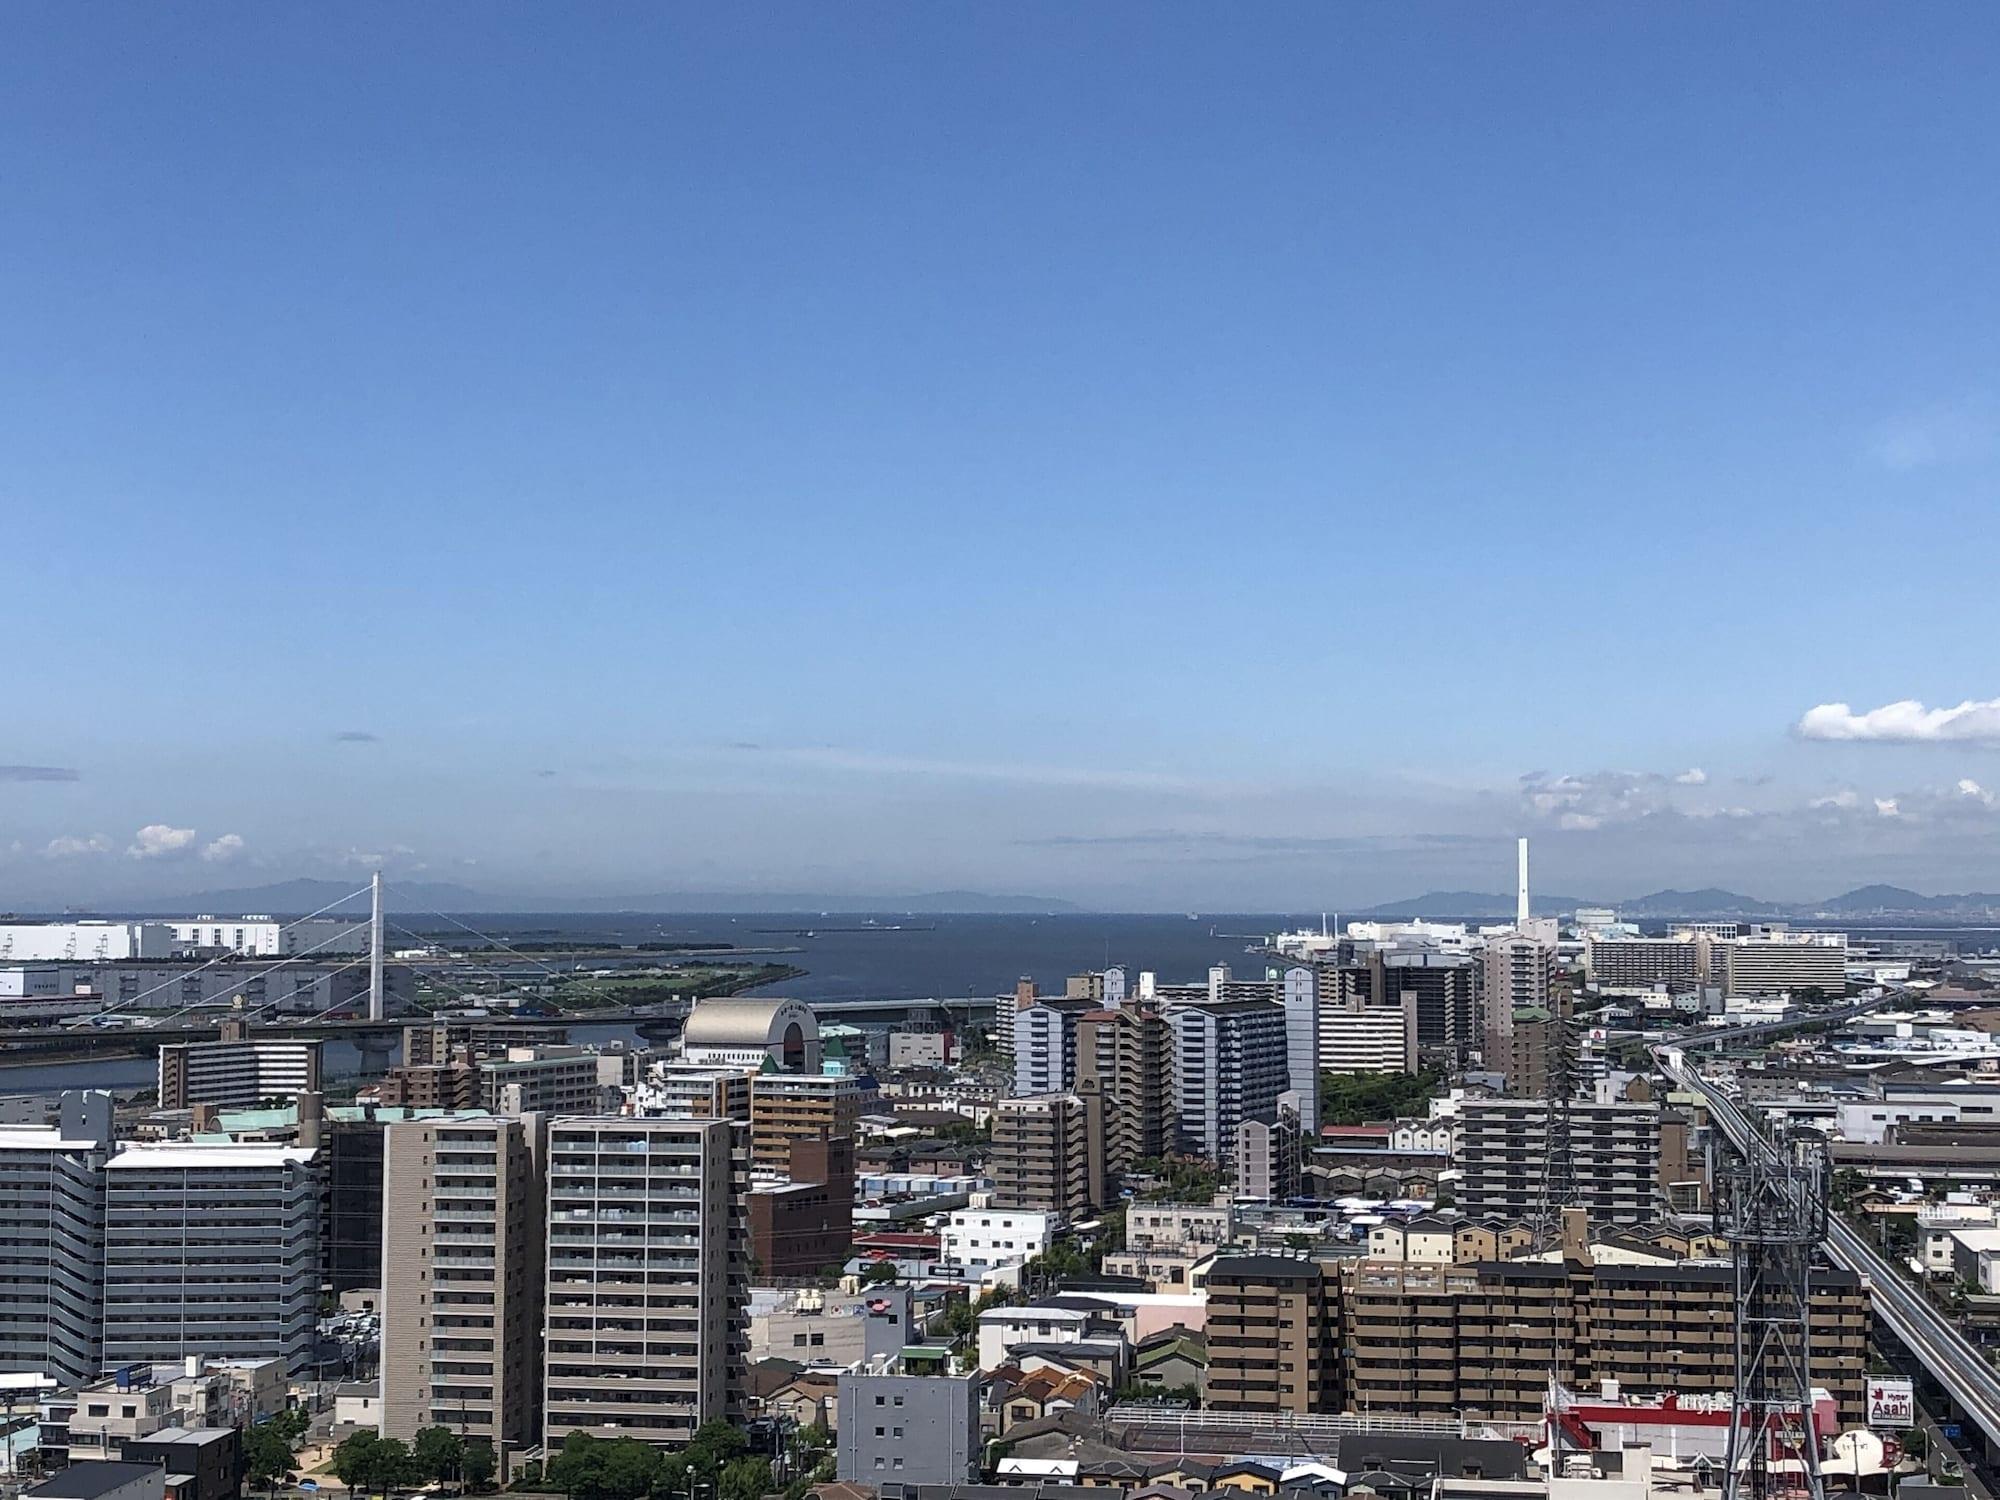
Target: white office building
{"x": 982, "y": 1238}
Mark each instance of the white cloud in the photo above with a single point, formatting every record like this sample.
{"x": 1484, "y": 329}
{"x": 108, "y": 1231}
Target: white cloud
{"x": 1888, "y": 807}
{"x": 874, "y": 763}
{"x": 69, "y": 846}
{"x": 1846, "y": 797}
{"x": 156, "y": 840}
{"x": 224, "y": 849}
{"x": 1905, "y": 722}
{"x": 1949, "y": 433}
{"x": 1967, "y": 787}
{"x": 1692, "y": 776}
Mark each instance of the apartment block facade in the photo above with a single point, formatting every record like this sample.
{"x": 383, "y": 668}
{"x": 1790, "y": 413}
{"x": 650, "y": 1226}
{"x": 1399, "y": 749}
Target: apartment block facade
{"x": 212, "y": 1250}
{"x": 1478, "y": 1340}
{"x": 1623, "y": 1157}
{"x": 785, "y": 1107}
{"x": 647, "y": 1278}
{"x": 1125, "y": 1056}
{"x": 1048, "y": 1153}
{"x": 1274, "y": 1336}
{"x": 463, "y": 1231}
{"x": 237, "y": 1071}
{"x": 52, "y": 1241}
{"x": 1232, "y": 1061}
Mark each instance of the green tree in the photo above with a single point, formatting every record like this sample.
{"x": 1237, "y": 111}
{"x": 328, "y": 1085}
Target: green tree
{"x": 1847, "y": 1185}
{"x": 745, "y": 1479}
{"x": 876, "y": 1274}
{"x": 713, "y": 1445}
{"x": 1360, "y": 1098}
{"x": 437, "y": 1453}
{"x": 816, "y": 1438}
{"x": 267, "y": 1456}
{"x": 369, "y": 1464}
{"x": 478, "y": 1466}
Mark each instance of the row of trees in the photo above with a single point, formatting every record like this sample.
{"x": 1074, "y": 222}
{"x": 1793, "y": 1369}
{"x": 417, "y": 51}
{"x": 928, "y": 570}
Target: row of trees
{"x": 713, "y": 1466}
{"x": 368, "y": 1463}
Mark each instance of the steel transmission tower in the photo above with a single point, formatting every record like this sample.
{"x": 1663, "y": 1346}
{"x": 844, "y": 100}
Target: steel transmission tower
{"x": 1558, "y": 1158}
{"x": 1771, "y": 1207}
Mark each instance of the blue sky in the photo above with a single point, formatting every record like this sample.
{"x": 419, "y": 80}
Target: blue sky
{"x": 1143, "y": 453}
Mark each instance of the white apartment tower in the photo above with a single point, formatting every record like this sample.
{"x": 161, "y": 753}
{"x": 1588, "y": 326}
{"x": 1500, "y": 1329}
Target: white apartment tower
{"x": 1231, "y": 1062}
{"x": 52, "y": 1241}
{"x": 1299, "y": 991}
{"x": 647, "y": 1294}
{"x": 213, "y": 1250}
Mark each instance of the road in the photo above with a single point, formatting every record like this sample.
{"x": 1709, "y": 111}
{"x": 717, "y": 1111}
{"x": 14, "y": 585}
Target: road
{"x": 1960, "y": 1368}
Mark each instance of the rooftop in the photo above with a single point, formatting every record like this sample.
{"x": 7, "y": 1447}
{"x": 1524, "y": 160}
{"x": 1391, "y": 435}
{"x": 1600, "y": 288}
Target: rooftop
{"x": 89, "y": 1478}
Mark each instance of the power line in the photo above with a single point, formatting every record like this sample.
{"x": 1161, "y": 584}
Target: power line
{"x": 225, "y": 959}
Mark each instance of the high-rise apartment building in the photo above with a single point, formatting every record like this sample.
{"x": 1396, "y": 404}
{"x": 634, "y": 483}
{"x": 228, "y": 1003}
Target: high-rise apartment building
{"x": 237, "y": 1071}
{"x": 1478, "y": 1340}
{"x": 1298, "y": 993}
{"x": 213, "y": 1250}
{"x": 545, "y": 1080}
{"x": 1772, "y": 960}
{"x": 1268, "y": 1154}
{"x": 1519, "y": 971}
{"x": 1623, "y": 1157}
{"x": 1232, "y": 1061}
{"x": 1273, "y": 1336}
{"x": 1639, "y": 963}
{"x": 463, "y": 1226}
{"x": 785, "y": 1107}
{"x": 52, "y": 1241}
{"x": 1044, "y": 1149}
{"x": 1358, "y": 1036}
{"x": 1439, "y": 986}
{"x": 1125, "y": 1056}
{"x": 647, "y": 1290}
{"x": 1046, "y": 1045}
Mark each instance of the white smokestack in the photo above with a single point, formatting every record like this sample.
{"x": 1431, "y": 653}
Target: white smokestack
{"x": 1521, "y": 898}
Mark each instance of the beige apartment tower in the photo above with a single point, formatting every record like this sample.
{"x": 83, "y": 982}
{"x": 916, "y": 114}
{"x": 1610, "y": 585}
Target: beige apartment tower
{"x": 1125, "y": 1056}
{"x": 1048, "y": 1153}
{"x": 462, "y": 1234}
{"x": 787, "y": 1107}
{"x": 648, "y": 1293}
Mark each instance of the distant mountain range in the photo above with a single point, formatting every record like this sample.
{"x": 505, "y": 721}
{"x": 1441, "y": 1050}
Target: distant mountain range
{"x": 1868, "y": 900}
{"x": 1895, "y": 899}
